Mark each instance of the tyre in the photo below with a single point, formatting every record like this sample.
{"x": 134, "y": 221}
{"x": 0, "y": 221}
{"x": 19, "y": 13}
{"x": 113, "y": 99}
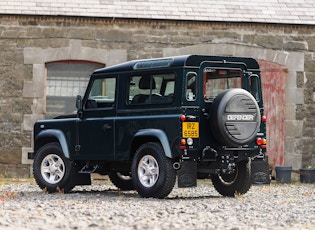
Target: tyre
{"x": 121, "y": 181}
{"x": 52, "y": 171}
{"x": 234, "y": 118}
{"x": 238, "y": 182}
{"x": 152, "y": 172}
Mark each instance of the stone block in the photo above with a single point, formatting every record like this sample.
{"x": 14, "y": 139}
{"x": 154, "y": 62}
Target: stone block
{"x": 295, "y": 45}
{"x": 29, "y": 120}
{"x": 24, "y": 158}
{"x": 114, "y": 56}
{"x": 289, "y": 145}
{"x": 299, "y": 96}
{"x": 290, "y": 80}
{"x": 270, "y": 55}
{"x": 295, "y": 61}
{"x": 309, "y": 65}
{"x": 280, "y": 57}
{"x": 28, "y": 89}
{"x": 14, "y": 171}
{"x": 31, "y": 55}
{"x": 294, "y": 95}
{"x": 300, "y": 79}
{"x": 308, "y": 96}
{"x": 311, "y": 43}
{"x": 293, "y": 159}
{"x": 39, "y": 106}
{"x": 290, "y": 111}
{"x": 293, "y": 128}
{"x": 299, "y": 112}
{"x": 56, "y": 54}
{"x": 168, "y": 52}
{"x": 270, "y": 42}
{"x": 10, "y": 155}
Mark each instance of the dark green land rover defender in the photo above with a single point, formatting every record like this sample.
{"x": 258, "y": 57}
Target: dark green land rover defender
{"x": 145, "y": 123}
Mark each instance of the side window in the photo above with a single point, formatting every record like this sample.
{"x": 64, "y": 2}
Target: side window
{"x": 102, "y": 94}
{"x": 254, "y": 86}
{"x": 218, "y": 80}
{"x": 191, "y": 86}
{"x": 151, "y": 89}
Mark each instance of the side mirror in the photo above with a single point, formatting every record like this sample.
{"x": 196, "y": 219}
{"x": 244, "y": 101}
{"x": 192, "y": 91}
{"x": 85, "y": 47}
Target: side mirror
{"x": 78, "y": 102}
{"x": 78, "y": 105}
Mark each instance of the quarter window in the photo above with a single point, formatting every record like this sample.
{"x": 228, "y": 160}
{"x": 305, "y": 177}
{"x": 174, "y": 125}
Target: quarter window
{"x": 254, "y": 86}
{"x": 191, "y": 86}
{"x": 151, "y": 89}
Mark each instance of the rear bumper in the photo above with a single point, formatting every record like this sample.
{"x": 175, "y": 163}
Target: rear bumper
{"x": 244, "y": 154}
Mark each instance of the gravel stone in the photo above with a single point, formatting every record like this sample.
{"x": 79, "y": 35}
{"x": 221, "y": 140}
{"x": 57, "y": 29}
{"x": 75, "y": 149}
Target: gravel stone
{"x": 102, "y": 206}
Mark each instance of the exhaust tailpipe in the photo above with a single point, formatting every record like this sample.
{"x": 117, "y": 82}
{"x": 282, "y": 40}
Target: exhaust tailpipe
{"x": 176, "y": 165}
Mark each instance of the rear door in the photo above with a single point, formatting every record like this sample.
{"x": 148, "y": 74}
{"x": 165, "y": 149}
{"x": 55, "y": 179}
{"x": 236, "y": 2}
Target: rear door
{"x": 216, "y": 77}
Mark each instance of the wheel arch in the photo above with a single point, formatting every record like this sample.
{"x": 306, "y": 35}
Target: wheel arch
{"x": 52, "y": 135}
{"x": 151, "y": 135}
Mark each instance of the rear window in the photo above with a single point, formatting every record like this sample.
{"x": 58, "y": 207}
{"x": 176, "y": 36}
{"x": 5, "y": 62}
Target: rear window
{"x": 218, "y": 80}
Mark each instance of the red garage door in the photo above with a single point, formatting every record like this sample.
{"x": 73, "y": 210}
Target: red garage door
{"x": 273, "y": 81}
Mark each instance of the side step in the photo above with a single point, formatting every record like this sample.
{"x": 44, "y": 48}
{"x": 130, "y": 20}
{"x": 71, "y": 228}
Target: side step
{"x": 88, "y": 169}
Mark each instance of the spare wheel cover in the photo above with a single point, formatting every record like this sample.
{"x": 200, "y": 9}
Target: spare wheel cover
{"x": 235, "y": 117}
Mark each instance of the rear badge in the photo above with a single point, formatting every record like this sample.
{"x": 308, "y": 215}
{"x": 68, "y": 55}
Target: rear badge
{"x": 240, "y": 117}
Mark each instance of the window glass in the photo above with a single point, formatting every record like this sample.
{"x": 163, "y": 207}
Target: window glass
{"x": 254, "y": 86}
{"x": 218, "y": 80}
{"x": 66, "y": 80}
{"x": 191, "y": 86}
{"x": 152, "y": 89}
{"x": 102, "y": 94}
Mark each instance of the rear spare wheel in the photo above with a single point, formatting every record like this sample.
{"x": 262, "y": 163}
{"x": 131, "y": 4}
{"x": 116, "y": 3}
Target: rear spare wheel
{"x": 234, "y": 117}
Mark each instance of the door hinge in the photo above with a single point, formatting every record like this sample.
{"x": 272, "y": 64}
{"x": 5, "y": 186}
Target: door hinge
{"x": 77, "y": 148}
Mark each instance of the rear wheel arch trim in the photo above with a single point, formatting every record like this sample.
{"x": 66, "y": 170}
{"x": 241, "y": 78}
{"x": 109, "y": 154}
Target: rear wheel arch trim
{"x": 158, "y": 134}
{"x": 57, "y": 134}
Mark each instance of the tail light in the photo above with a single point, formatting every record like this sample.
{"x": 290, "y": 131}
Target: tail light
{"x": 261, "y": 142}
{"x": 183, "y": 141}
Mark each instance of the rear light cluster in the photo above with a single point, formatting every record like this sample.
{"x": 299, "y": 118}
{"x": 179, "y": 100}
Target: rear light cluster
{"x": 182, "y": 117}
{"x": 184, "y": 142}
{"x": 262, "y": 142}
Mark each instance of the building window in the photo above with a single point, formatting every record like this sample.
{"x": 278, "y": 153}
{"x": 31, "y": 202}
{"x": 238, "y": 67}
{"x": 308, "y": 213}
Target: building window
{"x": 66, "y": 80}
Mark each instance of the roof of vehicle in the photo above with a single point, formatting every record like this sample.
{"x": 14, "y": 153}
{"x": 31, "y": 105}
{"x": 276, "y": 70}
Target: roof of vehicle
{"x": 176, "y": 61}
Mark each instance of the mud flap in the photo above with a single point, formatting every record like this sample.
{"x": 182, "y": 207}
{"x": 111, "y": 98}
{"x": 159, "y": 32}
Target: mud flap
{"x": 260, "y": 172}
{"x": 187, "y": 174}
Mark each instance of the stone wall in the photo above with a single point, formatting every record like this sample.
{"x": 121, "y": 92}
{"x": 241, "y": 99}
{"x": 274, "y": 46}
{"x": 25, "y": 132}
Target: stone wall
{"x": 27, "y": 43}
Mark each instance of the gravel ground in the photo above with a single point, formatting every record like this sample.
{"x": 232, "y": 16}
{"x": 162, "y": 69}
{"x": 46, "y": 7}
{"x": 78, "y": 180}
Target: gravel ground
{"x": 101, "y": 206}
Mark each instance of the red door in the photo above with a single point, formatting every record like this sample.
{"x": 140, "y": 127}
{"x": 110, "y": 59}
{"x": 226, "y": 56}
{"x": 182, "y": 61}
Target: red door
{"x": 273, "y": 82}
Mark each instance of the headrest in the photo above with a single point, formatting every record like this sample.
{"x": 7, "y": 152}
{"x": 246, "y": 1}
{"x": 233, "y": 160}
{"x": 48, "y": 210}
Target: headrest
{"x": 145, "y": 82}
